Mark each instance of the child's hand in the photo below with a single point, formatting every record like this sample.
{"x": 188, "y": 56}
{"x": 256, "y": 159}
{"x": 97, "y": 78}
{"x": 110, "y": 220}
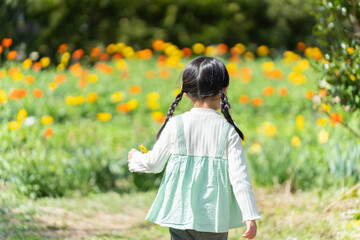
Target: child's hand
{"x": 131, "y": 153}
{"x": 250, "y": 229}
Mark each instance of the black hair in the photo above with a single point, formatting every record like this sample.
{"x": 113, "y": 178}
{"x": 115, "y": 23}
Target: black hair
{"x": 204, "y": 77}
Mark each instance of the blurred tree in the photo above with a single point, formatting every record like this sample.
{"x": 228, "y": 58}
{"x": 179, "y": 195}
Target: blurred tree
{"x": 338, "y": 29}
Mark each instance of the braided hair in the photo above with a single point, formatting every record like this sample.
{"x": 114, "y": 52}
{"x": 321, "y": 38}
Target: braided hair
{"x": 204, "y": 77}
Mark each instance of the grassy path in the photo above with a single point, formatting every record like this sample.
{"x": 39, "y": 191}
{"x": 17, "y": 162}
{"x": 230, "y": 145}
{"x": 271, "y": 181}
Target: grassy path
{"x": 114, "y": 216}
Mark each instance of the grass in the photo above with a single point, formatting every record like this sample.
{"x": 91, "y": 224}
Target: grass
{"x": 298, "y": 215}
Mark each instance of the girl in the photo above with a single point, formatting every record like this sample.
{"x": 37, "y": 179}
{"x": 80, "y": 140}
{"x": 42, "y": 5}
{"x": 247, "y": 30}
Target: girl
{"x": 205, "y": 190}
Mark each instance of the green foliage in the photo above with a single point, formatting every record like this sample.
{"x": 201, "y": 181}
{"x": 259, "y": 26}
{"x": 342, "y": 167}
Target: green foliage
{"x": 42, "y": 25}
{"x": 338, "y": 29}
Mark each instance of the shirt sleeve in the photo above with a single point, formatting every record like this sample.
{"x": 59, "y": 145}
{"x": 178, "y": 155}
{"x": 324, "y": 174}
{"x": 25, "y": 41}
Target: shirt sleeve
{"x": 239, "y": 178}
{"x": 154, "y": 161}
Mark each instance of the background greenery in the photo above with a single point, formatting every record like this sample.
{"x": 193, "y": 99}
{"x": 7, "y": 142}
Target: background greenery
{"x": 42, "y": 25}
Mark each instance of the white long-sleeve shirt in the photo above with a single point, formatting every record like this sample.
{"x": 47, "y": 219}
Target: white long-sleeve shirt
{"x": 202, "y": 129}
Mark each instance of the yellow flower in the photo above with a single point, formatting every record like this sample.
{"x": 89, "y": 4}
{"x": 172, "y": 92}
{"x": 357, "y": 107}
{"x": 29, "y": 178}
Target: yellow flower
{"x": 60, "y": 67}
{"x": 27, "y": 63}
{"x": 117, "y": 97}
{"x": 297, "y": 78}
{"x": 47, "y": 120}
{"x": 176, "y": 92}
{"x": 133, "y": 104}
{"x": 249, "y": 55}
{"x": 52, "y": 86}
{"x": 3, "y": 96}
{"x": 93, "y": 78}
{"x": 128, "y": 52}
{"x": 65, "y": 57}
{"x": 45, "y": 62}
{"x": 255, "y": 148}
{"x": 303, "y": 65}
{"x": 357, "y": 223}
{"x": 350, "y": 50}
{"x": 173, "y": 61}
{"x": 210, "y": 51}
{"x": 70, "y": 100}
{"x": 321, "y": 122}
{"x": 158, "y": 116}
{"x": 121, "y": 64}
{"x": 295, "y": 141}
{"x": 104, "y": 116}
{"x": 143, "y": 149}
{"x": 18, "y": 76}
{"x": 120, "y": 47}
{"x": 262, "y": 50}
{"x": 241, "y": 47}
{"x": 352, "y": 78}
{"x": 268, "y": 66}
{"x": 111, "y": 48}
{"x": 325, "y": 107}
{"x": 2, "y": 74}
{"x": 299, "y": 122}
{"x": 92, "y": 97}
{"x": 269, "y": 129}
{"x": 153, "y": 96}
{"x": 323, "y": 136}
{"x": 22, "y": 114}
{"x": 198, "y": 48}
{"x": 152, "y": 104}
{"x": 14, "y": 125}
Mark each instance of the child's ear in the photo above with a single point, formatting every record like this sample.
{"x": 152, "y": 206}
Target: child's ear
{"x": 187, "y": 95}
{"x": 225, "y": 89}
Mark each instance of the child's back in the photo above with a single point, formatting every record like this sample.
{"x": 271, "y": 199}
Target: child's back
{"x": 206, "y": 186}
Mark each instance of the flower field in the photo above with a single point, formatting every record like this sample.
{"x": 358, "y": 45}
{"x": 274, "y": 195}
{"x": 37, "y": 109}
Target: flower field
{"x": 68, "y": 123}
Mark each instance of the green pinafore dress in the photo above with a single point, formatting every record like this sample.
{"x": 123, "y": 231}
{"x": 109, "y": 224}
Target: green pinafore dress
{"x": 195, "y": 191}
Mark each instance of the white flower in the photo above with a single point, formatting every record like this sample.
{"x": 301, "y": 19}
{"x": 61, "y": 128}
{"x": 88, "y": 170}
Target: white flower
{"x": 29, "y": 121}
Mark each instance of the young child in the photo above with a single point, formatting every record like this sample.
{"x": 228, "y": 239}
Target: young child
{"x": 205, "y": 190}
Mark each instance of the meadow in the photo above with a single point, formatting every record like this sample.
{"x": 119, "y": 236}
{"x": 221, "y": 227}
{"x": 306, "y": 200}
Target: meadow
{"x": 67, "y": 125}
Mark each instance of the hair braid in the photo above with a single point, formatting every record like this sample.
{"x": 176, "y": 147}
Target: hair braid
{"x": 170, "y": 112}
{"x": 225, "y": 106}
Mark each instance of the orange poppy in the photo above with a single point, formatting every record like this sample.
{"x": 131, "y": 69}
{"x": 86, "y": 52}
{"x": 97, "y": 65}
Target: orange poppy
{"x": 309, "y": 94}
{"x": 37, "y": 93}
{"x": 95, "y": 52}
{"x": 244, "y": 99}
{"x": 164, "y": 74}
{"x": 61, "y": 78}
{"x": 144, "y": 54}
{"x": 77, "y": 54}
{"x": 268, "y": 91}
{"x": 274, "y": 74}
{"x": 301, "y": 46}
{"x": 117, "y": 56}
{"x": 36, "y": 66}
{"x": 245, "y": 74}
{"x": 335, "y": 118}
{"x": 136, "y": 89}
{"x": 104, "y": 57}
{"x": 150, "y": 74}
{"x": 123, "y": 108}
{"x": 48, "y": 132}
{"x": 186, "y": 52}
{"x": 102, "y": 67}
{"x": 125, "y": 75}
{"x": 12, "y": 55}
{"x": 283, "y": 91}
{"x": 7, "y": 42}
{"x": 1, "y": 49}
{"x": 322, "y": 92}
{"x": 29, "y": 79}
{"x": 158, "y": 45}
{"x": 257, "y": 102}
{"x": 17, "y": 93}
{"x": 222, "y": 48}
{"x": 62, "y": 48}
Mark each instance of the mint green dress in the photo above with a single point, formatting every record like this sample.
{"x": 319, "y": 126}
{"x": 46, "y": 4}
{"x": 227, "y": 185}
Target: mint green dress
{"x": 195, "y": 191}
